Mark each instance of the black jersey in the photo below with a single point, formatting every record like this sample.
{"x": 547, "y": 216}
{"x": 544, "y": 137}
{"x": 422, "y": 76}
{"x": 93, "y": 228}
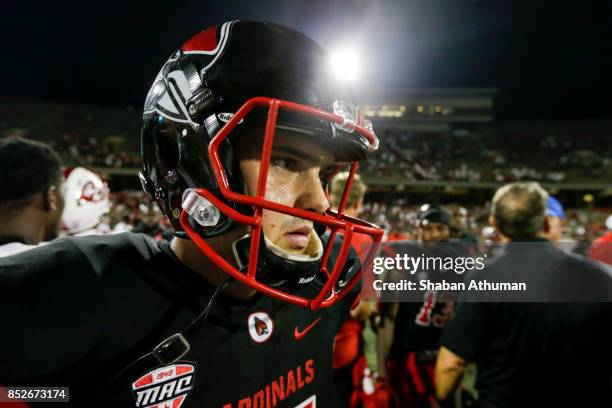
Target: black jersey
{"x": 78, "y": 311}
{"x": 536, "y": 354}
{"x": 419, "y": 325}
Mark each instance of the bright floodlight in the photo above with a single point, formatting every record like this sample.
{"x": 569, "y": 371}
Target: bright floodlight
{"x": 344, "y": 64}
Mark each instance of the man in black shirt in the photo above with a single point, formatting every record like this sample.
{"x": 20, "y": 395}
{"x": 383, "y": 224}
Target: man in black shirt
{"x": 532, "y": 354}
{"x": 242, "y": 130}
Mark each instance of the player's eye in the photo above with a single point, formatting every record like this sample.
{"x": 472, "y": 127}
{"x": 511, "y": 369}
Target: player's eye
{"x": 285, "y": 163}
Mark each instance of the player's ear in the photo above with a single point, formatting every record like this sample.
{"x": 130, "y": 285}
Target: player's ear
{"x": 546, "y": 225}
{"x": 52, "y": 199}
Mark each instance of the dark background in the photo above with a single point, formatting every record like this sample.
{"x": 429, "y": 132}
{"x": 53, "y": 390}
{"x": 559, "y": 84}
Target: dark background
{"x": 548, "y": 59}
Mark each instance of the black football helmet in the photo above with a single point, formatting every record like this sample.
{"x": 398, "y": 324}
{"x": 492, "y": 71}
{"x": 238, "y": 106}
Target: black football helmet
{"x": 219, "y": 79}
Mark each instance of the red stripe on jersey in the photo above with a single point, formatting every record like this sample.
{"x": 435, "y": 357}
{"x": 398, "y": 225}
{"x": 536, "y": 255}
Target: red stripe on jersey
{"x": 415, "y": 374}
{"x": 204, "y": 41}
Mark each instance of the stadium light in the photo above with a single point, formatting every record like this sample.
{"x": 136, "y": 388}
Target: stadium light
{"x": 345, "y": 63}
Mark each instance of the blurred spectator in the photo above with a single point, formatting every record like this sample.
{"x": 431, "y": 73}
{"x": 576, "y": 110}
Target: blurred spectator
{"x": 348, "y": 358}
{"x": 87, "y": 201}
{"x": 434, "y": 224}
{"x": 150, "y": 223}
{"x": 555, "y": 218}
{"x": 459, "y": 228}
{"x": 601, "y": 249}
{"x": 353, "y": 207}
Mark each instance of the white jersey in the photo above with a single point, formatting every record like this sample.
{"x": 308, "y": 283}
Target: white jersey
{"x": 100, "y": 229}
{"x": 13, "y": 248}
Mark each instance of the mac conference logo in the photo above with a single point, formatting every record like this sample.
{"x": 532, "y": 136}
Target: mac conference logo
{"x": 166, "y": 386}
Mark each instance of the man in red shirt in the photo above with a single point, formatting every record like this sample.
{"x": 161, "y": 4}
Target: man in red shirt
{"x": 601, "y": 248}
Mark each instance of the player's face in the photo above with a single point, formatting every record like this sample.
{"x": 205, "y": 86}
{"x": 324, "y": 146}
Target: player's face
{"x": 434, "y": 232}
{"x": 556, "y": 228}
{"x": 459, "y": 220}
{"x": 296, "y": 175}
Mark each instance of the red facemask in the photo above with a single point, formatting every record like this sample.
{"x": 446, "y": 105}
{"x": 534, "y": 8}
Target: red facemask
{"x": 336, "y": 222}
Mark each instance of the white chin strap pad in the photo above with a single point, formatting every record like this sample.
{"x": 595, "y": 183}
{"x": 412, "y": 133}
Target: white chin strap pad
{"x": 313, "y": 252}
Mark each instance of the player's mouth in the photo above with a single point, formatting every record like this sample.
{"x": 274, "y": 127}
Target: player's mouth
{"x": 300, "y": 237}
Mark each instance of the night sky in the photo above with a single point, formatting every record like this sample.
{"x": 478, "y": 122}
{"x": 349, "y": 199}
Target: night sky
{"x": 548, "y": 59}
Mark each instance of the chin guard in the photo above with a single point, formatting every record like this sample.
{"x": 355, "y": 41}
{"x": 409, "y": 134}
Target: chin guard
{"x": 276, "y": 267}
{"x": 283, "y": 270}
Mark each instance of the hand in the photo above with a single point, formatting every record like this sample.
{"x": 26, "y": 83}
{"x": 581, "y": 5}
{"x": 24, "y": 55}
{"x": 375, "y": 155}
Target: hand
{"x": 382, "y": 397}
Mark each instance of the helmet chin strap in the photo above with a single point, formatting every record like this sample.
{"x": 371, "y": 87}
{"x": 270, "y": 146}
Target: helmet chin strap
{"x": 277, "y": 267}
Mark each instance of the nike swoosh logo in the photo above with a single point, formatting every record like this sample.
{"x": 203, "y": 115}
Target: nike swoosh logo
{"x": 299, "y": 335}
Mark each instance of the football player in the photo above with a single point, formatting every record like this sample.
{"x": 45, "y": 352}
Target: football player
{"x": 411, "y": 331}
{"x": 243, "y": 127}
{"x": 31, "y": 202}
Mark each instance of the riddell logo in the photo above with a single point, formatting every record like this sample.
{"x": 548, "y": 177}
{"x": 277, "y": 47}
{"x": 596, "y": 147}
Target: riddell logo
{"x": 166, "y": 387}
{"x": 306, "y": 280}
{"x": 225, "y": 117}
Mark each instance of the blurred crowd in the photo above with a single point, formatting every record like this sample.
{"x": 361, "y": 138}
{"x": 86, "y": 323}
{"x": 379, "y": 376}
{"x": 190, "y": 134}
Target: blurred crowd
{"x": 88, "y": 152}
{"x": 134, "y": 211}
{"x": 497, "y": 152}
{"x": 82, "y": 135}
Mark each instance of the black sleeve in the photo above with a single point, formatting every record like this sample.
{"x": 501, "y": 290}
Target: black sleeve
{"x": 465, "y": 333}
{"x": 50, "y": 310}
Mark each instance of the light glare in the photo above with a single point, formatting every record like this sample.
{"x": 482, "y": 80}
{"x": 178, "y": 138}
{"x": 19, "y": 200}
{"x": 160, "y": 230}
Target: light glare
{"x": 344, "y": 64}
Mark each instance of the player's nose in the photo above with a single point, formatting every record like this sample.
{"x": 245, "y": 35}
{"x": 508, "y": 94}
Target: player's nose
{"x": 311, "y": 194}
